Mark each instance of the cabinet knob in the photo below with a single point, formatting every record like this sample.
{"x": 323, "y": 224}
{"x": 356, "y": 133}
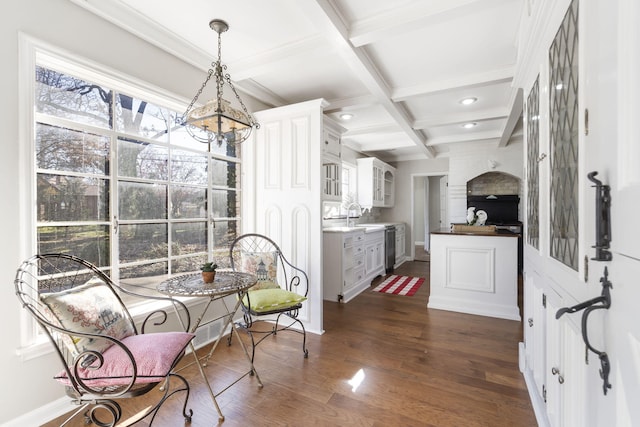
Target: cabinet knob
{"x": 560, "y": 379}
{"x": 555, "y": 371}
{"x": 530, "y": 322}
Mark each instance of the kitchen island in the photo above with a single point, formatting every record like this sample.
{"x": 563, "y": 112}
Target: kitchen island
{"x": 475, "y": 273}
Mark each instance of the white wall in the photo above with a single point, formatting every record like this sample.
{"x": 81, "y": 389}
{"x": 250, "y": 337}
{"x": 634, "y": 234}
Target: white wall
{"x": 402, "y": 210}
{"x": 466, "y": 163}
{"x": 64, "y": 25}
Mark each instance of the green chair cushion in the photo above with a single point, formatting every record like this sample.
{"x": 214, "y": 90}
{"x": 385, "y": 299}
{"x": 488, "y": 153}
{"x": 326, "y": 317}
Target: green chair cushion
{"x": 265, "y": 300}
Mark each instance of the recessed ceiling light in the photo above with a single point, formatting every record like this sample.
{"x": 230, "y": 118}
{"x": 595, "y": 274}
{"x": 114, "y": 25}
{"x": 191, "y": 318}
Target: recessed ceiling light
{"x": 346, "y": 116}
{"x": 468, "y": 101}
{"x": 469, "y": 125}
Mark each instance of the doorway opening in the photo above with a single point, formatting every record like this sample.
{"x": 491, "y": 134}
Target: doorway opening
{"x": 429, "y": 202}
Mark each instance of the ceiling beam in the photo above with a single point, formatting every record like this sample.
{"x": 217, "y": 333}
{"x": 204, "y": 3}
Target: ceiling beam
{"x": 323, "y": 14}
{"x": 487, "y": 78}
{"x": 514, "y": 116}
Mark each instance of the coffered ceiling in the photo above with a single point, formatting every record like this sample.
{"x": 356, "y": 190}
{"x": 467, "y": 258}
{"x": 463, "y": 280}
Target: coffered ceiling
{"x": 399, "y": 67}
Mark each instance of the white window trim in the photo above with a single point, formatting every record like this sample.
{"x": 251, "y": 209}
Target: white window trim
{"x": 32, "y": 52}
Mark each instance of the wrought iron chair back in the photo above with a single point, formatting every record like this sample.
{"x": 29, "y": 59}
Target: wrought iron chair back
{"x": 102, "y": 353}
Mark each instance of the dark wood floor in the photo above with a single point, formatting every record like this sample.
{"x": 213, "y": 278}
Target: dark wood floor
{"x": 421, "y": 367}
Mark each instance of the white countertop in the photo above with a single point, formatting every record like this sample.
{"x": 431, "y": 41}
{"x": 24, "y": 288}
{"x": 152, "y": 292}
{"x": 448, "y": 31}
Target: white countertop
{"x": 368, "y": 227}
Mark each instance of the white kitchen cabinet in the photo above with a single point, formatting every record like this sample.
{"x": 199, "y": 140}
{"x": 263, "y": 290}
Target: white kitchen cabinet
{"x": 331, "y": 180}
{"x": 331, "y": 145}
{"x": 344, "y": 264}
{"x": 331, "y": 163}
{"x": 376, "y": 183}
{"x": 374, "y": 254}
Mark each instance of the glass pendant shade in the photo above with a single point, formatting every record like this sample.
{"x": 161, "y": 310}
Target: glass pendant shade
{"x": 218, "y": 121}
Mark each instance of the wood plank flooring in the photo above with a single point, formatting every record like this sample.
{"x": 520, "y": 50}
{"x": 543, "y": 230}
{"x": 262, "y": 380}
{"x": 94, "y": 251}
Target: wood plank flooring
{"x": 419, "y": 367}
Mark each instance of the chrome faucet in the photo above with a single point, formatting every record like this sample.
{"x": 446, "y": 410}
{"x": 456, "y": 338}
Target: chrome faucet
{"x": 352, "y": 204}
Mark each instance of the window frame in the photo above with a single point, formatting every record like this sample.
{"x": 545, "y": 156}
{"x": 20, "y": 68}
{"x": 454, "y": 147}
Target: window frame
{"x": 34, "y": 53}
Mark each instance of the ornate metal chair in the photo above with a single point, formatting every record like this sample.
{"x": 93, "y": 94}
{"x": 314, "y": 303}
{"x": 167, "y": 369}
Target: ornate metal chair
{"x": 104, "y": 356}
{"x": 280, "y": 290}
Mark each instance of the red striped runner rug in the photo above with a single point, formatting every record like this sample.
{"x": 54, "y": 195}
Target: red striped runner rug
{"x": 400, "y": 285}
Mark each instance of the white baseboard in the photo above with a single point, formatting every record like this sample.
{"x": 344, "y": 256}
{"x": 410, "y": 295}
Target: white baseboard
{"x": 43, "y": 414}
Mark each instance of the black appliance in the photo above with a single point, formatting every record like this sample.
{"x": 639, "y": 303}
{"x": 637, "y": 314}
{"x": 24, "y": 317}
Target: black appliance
{"x": 502, "y": 211}
{"x": 389, "y": 247}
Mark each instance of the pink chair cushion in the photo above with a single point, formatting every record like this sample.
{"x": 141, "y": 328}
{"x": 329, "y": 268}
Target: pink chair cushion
{"x": 155, "y": 354}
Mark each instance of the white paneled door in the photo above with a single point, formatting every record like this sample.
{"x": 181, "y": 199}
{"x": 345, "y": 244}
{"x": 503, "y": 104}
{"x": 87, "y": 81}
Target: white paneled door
{"x": 613, "y": 99}
{"x": 282, "y": 191}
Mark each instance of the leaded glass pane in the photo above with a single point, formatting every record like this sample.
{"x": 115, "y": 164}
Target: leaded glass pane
{"x": 61, "y": 95}
{"x": 533, "y": 179}
{"x": 563, "y": 103}
{"x": 142, "y": 160}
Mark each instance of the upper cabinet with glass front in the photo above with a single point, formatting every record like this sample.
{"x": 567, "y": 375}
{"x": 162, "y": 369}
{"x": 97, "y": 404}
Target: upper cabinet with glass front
{"x": 331, "y": 162}
{"x": 376, "y": 183}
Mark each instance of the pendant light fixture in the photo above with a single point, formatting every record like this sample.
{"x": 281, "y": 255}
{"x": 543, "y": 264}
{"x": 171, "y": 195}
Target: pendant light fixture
{"x": 217, "y": 121}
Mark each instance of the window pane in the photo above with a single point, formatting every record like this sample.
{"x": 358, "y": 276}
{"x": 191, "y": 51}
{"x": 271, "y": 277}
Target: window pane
{"x": 188, "y": 167}
{"x": 142, "y": 201}
{"x": 137, "y": 117}
{"x": 61, "y": 95}
{"x": 182, "y": 265}
{"x": 150, "y": 271}
{"x": 68, "y": 150}
{"x": 188, "y": 202}
{"x": 69, "y": 198}
{"x": 142, "y": 160}
{"x": 188, "y": 237}
{"x": 139, "y": 242}
{"x": 224, "y": 203}
{"x": 225, "y": 174}
{"x": 90, "y": 242}
{"x": 224, "y": 233}
{"x": 180, "y": 138}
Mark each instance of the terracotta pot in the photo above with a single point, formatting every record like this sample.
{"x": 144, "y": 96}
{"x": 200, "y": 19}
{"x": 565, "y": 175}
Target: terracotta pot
{"x": 208, "y": 276}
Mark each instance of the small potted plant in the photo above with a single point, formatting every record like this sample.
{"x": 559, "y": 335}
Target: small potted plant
{"x": 208, "y": 271}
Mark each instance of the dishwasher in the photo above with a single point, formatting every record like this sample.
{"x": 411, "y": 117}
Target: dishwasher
{"x": 389, "y": 247}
